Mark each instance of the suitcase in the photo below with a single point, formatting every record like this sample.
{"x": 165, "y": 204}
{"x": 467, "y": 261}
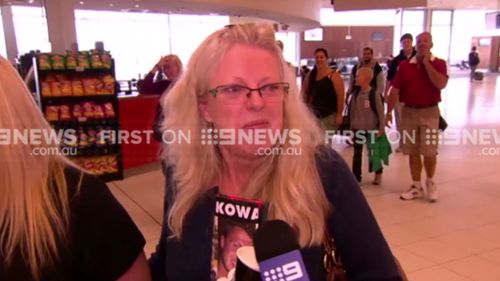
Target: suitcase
{"x": 478, "y": 76}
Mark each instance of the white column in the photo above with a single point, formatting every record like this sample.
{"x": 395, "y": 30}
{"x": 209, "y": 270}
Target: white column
{"x": 398, "y": 22}
{"x": 61, "y": 24}
{"x": 9, "y": 33}
{"x": 428, "y": 20}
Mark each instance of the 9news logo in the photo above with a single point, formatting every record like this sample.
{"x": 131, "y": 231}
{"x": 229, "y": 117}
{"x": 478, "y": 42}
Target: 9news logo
{"x": 288, "y": 272}
{"x": 286, "y": 267}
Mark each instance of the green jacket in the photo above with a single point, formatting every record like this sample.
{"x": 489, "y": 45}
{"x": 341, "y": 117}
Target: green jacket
{"x": 378, "y": 153}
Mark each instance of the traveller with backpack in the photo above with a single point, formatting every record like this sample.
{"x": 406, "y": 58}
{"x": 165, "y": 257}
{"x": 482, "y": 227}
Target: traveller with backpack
{"x": 367, "y": 121}
{"x": 473, "y": 63}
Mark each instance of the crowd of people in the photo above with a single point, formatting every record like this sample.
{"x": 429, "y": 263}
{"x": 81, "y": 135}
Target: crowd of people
{"x": 60, "y": 223}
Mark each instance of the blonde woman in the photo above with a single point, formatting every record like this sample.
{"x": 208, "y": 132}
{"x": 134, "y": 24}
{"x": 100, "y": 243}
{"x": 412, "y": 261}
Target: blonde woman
{"x": 167, "y": 70}
{"x": 56, "y": 222}
{"x": 236, "y": 80}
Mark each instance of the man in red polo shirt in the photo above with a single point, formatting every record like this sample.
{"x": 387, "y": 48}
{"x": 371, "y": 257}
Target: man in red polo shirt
{"x": 418, "y": 84}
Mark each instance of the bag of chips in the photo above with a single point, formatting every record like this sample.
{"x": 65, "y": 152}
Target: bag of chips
{"x": 57, "y": 62}
{"x": 44, "y": 62}
{"x": 95, "y": 59}
{"x": 52, "y": 113}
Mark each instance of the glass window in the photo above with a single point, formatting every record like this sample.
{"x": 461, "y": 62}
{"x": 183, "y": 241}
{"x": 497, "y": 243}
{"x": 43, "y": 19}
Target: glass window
{"x": 198, "y": 28}
{"x": 136, "y": 40}
{"x": 412, "y": 22}
{"x": 441, "y": 33}
{"x": 3, "y": 48}
{"x": 412, "y": 29}
{"x": 466, "y": 24}
{"x": 397, "y": 32}
{"x": 290, "y": 51}
{"x": 441, "y": 36}
{"x": 413, "y": 17}
{"x": 30, "y": 25}
{"x": 441, "y": 17}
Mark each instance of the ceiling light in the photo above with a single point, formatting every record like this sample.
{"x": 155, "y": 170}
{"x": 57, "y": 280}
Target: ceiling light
{"x": 111, "y": 5}
{"x": 348, "y": 36}
{"x": 31, "y": 1}
{"x": 81, "y": 2}
{"x": 137, "y": 5}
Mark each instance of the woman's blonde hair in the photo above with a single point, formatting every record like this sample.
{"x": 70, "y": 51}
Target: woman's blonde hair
{"x": 290, "y": 183}
{"x": 34, "y": 209}
{"x": 171, "y": 58}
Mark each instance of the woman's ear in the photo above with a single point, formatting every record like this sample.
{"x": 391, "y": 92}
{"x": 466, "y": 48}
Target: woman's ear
{"x": 203, "y": 106}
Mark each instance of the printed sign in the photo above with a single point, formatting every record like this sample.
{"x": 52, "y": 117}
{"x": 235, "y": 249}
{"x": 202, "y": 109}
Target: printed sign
{"x": 235, "y": 222}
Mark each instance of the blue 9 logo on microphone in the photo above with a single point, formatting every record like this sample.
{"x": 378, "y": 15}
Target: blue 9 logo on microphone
{"x": 287, "y": 272}
{"x": 285, "y": 267}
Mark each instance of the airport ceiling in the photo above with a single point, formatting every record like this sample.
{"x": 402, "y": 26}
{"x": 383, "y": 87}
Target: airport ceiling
{"x": 196, "y": 7}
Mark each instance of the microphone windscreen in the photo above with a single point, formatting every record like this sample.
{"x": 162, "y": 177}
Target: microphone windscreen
{"x": 247, "y": 268}
{"x": 273, "y": 238}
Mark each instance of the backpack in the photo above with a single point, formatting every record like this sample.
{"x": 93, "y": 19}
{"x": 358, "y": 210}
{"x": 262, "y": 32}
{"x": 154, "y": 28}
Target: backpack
{"x": 371, "y": 98}
{"x": 473, "y": 58}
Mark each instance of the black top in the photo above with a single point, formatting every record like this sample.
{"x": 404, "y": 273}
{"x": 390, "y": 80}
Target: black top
{"x": 103, "y": 240}
{"x": 474, "y": 59}
{"x": 393, "y": 66}
{"x": 148, "y": 86}
{"x": 323, "y": 97}
{"x": 365, "y": 253}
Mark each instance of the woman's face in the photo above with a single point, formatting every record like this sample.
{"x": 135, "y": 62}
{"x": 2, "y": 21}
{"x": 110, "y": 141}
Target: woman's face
{"x": 172, "y": 70}
{"x": 321, "y": 59}
{"x": 233, "y": 110}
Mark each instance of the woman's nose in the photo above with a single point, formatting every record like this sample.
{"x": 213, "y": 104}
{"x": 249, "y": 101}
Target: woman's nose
{"x": 254, "y": 100}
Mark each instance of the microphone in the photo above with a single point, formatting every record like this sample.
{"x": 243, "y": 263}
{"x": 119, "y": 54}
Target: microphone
{"x": 247, "y": 268}
{"x": 277, "y": 251}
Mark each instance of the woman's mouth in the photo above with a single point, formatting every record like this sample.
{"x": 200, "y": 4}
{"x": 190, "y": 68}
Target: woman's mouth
{"x": 258, "y": 124}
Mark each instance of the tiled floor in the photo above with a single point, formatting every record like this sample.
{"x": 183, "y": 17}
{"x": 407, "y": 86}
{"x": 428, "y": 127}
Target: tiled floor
{"x": 455, "y": 239}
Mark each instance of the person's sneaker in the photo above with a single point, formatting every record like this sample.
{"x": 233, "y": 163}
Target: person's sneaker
{"x": 432, "y": 194}
{"x": 360, "y": 182}
{"x": 377, "y": 180}
{"x": 412, "y": 193}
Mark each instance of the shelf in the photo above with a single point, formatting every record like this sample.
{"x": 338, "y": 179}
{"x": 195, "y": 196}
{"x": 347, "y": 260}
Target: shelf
{"x": 111, "y": 177}
{"x": 75, "y": 153}
{"x": 89, "y": 71}
{"x": 76, "y": 99}
{"x": 109, "y": 149}
{"x": 85, "y": 122}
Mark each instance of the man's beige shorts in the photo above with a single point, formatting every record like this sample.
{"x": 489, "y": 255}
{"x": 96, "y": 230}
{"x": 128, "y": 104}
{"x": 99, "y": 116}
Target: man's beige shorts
{"x": 329, "y": 122}
{"x": 420, "y": 130}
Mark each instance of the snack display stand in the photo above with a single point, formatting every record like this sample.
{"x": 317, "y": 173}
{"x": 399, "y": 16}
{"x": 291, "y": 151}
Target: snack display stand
{"x": 77, "y": 93}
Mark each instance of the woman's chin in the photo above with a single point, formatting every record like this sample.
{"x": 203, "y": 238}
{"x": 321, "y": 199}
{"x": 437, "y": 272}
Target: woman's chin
{"x": 250, "y": 151}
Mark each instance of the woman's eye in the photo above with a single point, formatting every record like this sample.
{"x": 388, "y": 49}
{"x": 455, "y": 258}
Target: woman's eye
{"x": 232, "y": 89}
{"x": 270, "y": 88}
